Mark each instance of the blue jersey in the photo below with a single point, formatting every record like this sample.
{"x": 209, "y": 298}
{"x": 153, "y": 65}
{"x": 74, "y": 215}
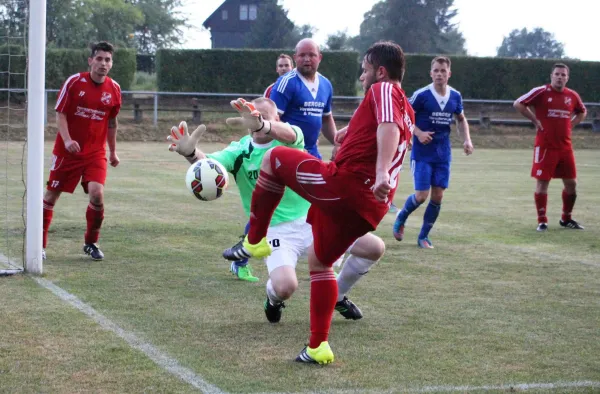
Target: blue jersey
{"x": 303, "y": 103}
{"x": 435, "y": 113}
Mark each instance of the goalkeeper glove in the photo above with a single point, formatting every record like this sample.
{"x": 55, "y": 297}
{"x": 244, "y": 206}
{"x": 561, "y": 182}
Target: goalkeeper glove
{"x": 250, "y": 117}
{"x": 182, "y": 142}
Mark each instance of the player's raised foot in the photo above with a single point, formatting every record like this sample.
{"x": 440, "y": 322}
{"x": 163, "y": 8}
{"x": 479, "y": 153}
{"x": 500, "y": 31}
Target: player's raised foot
{"x": 348, "y": 309}
{"x": 273, "y": 312}
{"x": 243, "y": 272}
{"x": 425, "y": 243}
{"x": 43, "y": 254}
{"x": 572, "y": 224}
{"x": 542, "y": 227}
{"x": 398, "y": 228}
{"x": 321, "y": 355}
{"x": 245, "y": 250}
{"x": 93, "y": 251}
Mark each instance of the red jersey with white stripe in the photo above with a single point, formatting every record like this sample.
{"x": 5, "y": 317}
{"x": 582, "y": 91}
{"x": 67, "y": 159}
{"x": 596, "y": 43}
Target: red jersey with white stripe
{"x": 267, "y": 92}
{"x": 88, "y": 106}
{"x": 554, "y": 110}
{"x": 384, "y": 102}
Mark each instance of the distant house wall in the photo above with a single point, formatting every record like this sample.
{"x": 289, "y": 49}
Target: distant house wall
{"x": 225, "y": 39}
{"x": 227, "y": 25}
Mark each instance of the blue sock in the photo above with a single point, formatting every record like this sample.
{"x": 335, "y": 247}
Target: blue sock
{"x": 244, "y": 262}
{"x": 431, "y": 214}
{"x": 409, "y": 207}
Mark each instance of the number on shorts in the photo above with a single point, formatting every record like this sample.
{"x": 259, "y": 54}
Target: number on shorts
{"x": 55, "y": 184}
{"x": 275, "y": 243}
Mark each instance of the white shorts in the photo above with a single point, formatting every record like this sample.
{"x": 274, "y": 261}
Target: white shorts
{"x": 289, "y": 241}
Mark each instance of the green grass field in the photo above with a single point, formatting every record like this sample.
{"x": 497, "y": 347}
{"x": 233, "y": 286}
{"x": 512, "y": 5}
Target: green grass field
{"x": 494, "y": 304}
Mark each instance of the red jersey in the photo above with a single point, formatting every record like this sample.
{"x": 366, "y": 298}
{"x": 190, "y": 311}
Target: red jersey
{"x": 88, "y": 107}
{"x": 554, "y": 110}
{"x": 267, "y": 92}
{"x": 384, "y": 102}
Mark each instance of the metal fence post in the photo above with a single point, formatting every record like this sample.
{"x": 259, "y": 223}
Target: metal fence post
{"x": 155, "y": 109}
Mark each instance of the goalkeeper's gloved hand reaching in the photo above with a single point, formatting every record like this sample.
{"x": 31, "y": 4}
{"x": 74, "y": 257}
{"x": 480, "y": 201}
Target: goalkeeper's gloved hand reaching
{"x": 184, "y": 143}
{"x": 251, "y": 118}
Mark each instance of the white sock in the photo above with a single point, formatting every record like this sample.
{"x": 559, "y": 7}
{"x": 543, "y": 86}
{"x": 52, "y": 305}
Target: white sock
{"x": 273, "y": 298}
{"x": 352, "y": 270}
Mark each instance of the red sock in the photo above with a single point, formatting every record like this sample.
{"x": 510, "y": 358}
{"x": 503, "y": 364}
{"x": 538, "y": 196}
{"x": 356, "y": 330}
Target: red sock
{"x": 94, "y": 216}
{"x": 47, "y": 219}
{"x": 265, "y": 198}
{"x": 568, "y": 204}
{"x": 541, "y": 201}
{"x": 323, "y": 296}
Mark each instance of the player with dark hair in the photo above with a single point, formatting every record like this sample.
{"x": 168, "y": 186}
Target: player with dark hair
{"x": 435, "y": 106}
{"x": 289, "y": 233}
{"x": 86, "y": 114}
{"x": 557, "y": 109}
{"x": 349, "y": 196}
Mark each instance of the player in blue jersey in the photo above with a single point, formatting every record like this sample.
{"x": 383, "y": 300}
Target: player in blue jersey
{"x": 303, "y": 97}
{"x": 435, "y": 105}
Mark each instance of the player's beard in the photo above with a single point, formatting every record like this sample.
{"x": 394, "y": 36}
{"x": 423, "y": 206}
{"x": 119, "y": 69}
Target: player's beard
{"x": 307, "y": 71}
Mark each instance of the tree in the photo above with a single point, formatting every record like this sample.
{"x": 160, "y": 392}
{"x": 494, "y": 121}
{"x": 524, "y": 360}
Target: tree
{"x": 537, "y": 43}
{"x": 161, "y": 27}
{"x": 339, "y": 40}
{"x": 419, "y": 26}
{"x": 274, "y": 29}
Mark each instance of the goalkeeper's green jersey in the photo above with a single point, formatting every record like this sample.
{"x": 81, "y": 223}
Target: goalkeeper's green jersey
{"x": 243, "y": 159}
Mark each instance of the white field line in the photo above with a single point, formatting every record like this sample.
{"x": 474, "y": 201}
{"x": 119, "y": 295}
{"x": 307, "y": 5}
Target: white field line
{"x": 161, "y": 359}
{"x": 468, "y": 389}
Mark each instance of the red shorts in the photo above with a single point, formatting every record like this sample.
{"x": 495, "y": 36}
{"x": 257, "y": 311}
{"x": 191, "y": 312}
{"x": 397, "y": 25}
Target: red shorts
{"x": 341, "y": 209}
{"x": 66, "y": 172}
{"x": 553, "y": 163}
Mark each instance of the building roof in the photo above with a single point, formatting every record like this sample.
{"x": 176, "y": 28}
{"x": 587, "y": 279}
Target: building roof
{"x": 206, "y": 23}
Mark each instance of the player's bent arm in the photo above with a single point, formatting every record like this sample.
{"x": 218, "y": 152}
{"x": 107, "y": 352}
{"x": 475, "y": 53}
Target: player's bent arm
{"x": 328, "y": 128}
{"x": 282, "y": 132}
{"x": 111, "y": 137}
{"x": 63, "y": 127}
{"x": 525, "y": 111}
{"x": 388, "y": 136}
{"x": 578, "y": 118}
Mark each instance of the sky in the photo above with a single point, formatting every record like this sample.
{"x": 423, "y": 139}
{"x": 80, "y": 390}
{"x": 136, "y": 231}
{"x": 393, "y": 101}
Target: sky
{"x": 484, "y": 23}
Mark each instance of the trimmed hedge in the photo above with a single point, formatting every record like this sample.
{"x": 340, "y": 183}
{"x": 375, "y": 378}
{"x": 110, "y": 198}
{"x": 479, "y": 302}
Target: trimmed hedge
{"x": 250, "y": 71}
{"x": 243, "y": 71}
{"x": 61, "y": 63}
{"x": 503, "y": 78}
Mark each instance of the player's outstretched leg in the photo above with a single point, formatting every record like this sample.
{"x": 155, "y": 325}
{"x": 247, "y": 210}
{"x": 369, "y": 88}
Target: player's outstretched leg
{"x": 245, "y": 250}
{"x": 431, "y": 214}
{"x": 320, "y": 355}
{"x": 410, "y": 206}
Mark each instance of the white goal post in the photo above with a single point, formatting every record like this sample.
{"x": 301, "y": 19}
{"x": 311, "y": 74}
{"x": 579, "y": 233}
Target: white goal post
{"x": 36, "y": 79}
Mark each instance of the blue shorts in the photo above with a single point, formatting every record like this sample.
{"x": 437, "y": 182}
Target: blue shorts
{"x": 427, "y": 174}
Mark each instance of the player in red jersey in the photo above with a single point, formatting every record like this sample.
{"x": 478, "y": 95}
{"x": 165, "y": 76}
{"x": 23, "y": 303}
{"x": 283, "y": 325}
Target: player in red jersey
{"x": 86, "y": 115}
{"x": 557, "y": 110}
{"x": 284, "y": 64}
{"x": 349, "y": 195}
